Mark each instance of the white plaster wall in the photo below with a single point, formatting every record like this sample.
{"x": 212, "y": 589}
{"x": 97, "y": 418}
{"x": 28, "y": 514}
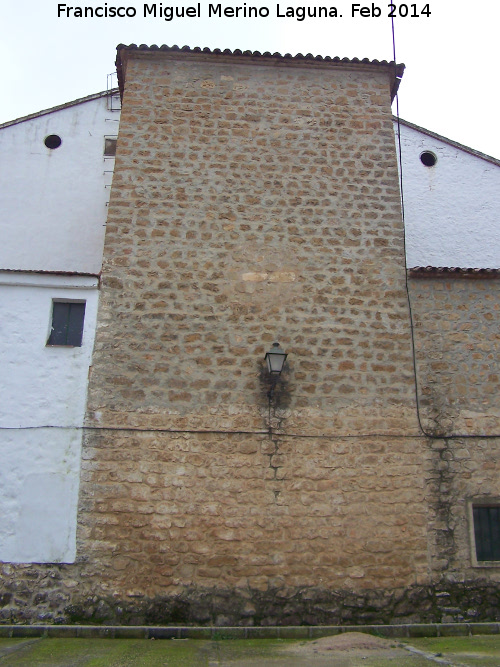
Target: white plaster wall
{"x": 39, "y": 481}
{"x": 43, "y": 393}
{"x": 452, "y": 210}
{"x": 53, "y": 202}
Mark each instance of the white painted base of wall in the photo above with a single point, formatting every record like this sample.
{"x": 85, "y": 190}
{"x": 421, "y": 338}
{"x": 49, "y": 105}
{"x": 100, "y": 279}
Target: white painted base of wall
{"x": 39, "y": 481}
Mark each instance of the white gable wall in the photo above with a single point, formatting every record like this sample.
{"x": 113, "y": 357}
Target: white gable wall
{"x": 53, "y": 201}
{"x": 451, "y": 209}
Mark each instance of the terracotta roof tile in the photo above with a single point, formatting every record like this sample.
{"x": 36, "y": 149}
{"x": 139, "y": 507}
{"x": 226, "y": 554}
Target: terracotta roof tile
{"x": 123, "y": 48}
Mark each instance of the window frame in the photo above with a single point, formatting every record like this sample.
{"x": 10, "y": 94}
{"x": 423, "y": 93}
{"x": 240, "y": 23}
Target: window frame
{"x": 110, "y": 138}
{"x": 81, "y": 324}
{"x": 474, "y": 503}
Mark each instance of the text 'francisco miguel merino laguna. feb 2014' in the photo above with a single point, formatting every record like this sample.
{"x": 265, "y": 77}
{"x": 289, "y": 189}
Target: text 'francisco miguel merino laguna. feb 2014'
{"x": 217, "y": 10}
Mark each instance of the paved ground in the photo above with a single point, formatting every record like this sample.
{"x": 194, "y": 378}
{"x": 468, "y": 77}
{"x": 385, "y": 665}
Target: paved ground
{"x": 348, "y": 650}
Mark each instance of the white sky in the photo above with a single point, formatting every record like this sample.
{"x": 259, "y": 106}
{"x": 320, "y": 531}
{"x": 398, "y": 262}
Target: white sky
{"x": 451, "y": 83}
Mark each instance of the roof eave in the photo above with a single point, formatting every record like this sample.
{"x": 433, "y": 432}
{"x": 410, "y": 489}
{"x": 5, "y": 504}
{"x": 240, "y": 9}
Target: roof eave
{"x": 60, "y": 107}
{"x": 123, "y": 50}
{"x": 446, "y": 140}
{"x": 453, "y": 271}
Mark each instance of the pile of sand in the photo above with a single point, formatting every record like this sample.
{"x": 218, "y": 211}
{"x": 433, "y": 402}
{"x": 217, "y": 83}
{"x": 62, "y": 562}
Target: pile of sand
{"x": 347, "y": 641}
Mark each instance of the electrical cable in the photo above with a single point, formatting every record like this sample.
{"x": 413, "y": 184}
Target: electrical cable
{"x": 407, "y": 288}
{"x": 280, "y": 434}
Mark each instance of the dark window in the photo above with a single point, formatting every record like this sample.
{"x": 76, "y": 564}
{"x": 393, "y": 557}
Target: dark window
{"x": 67, "y": 323}
{"x": 53, "y": 141}
{"x": 109, "y": 146}
{"x": 487, "y": 532}
{"x": 428, "y": 159}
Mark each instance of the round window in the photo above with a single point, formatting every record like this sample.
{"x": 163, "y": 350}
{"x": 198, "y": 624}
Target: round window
{"x": 428, "y": 159}
{"x": 53, "y": 141}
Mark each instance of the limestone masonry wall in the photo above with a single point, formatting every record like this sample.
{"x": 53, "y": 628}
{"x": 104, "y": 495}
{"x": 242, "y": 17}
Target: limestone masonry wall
{"x": 163, "y": 511}
{"x": 458, "y": 348}
{"x": 253, "y": 203}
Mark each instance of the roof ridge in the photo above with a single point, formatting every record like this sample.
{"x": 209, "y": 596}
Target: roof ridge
{"x": 59, "y": 107}
{"x": 398, "y": 68}
{"x": 255, "y": 54}
{"x": 446, "y": 140}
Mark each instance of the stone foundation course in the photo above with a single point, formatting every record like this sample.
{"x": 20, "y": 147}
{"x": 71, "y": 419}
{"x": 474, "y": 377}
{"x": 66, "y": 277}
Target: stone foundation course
{"x": 467, "y": 602}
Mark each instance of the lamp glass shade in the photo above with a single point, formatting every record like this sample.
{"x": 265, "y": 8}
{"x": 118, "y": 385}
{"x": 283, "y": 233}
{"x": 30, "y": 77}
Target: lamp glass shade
{"x": 275, "y": 359}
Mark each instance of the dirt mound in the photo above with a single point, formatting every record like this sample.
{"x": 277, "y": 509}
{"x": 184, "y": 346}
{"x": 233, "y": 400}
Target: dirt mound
{"x": 347, "y": 641}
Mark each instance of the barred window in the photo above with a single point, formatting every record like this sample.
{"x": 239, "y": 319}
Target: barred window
{"x": 487, "y": 532}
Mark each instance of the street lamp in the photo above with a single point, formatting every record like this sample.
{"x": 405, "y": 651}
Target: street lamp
{"x": 275, "y": 360}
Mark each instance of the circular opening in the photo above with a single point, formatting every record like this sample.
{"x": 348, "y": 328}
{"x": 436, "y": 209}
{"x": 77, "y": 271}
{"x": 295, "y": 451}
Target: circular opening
{"x": 53, "y": 141}
{"x": 428, "y": 159}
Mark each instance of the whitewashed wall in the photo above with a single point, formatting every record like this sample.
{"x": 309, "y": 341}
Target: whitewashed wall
{"x": 53, "y": 214}
{"x": 452, "y": 209}
{"x": 53, "y": 201}
{"x": 42, "y": 409}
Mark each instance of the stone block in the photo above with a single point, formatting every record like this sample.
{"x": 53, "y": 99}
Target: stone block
{"x": 131, "y": 632}
{"x": 423, "y": 630}
{"x": 262, "y": 632}
{"x": 62, "y": 631}
{"x": 95, "y": 632}
{"x": 453, "y": 630}
{"x": 163, "y": 633}
{"x": 294, "y": 632}
{"x": 484, "y": 628}
{"x": 28, "y": 631}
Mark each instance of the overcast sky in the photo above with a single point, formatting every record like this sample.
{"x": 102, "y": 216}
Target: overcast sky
{"x": 451, "y": 83}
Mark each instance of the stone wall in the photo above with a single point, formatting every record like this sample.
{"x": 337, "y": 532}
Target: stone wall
{"x": 253, "y": 202}
{"x": 166, "y": 511}
{"x": 457, "y": 347}
{"x": 458, "y": 473}
{"x": 49, "y": 594}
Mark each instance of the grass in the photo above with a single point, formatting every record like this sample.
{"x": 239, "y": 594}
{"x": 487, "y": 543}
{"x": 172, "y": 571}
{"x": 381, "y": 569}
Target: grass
{"x": 476, "y": 651}
{"x": 133, "y": 652}
{"x": 479, "y": 651}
